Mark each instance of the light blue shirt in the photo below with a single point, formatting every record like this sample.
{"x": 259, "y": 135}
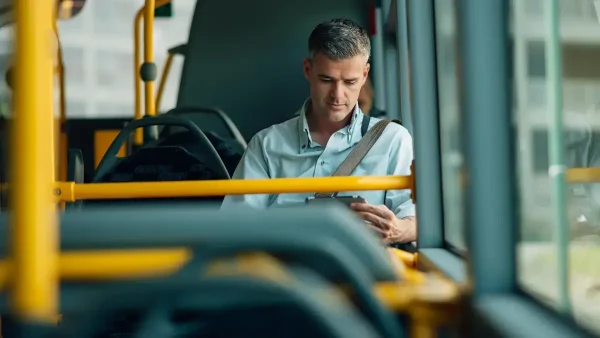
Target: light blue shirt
{"x": 287, "y": 150}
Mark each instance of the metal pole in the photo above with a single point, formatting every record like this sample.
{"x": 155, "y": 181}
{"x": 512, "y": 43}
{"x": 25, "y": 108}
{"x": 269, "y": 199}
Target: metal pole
{"x": 34, "y": 233}
{"x": 557, "y": 169}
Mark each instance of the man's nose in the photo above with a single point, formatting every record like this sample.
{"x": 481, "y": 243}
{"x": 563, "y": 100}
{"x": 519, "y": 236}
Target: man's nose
{"x": 337, "y": 92}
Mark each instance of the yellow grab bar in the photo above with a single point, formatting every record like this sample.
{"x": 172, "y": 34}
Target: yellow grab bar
{"x": 163, "y": 81}
{"x": 113, "y": 264}
{"x": 137, "y": 62}
{"x": 122, "y": 264}
{"x": 137, "y": 80}
{"x": 149, "y": 103}
{"x": 408, "y": 258}
{"x": 34, "y": 296}
{"x": 69, "y": 191}
{"x": 63, "y": 140}
{"x": 583, "y": 175}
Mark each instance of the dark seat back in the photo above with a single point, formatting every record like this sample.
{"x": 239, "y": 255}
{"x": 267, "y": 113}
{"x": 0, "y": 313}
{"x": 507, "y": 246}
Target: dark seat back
{"x": 159, "y": 164}
{"x": 219, "y": 129}
{"x": 230, "y": 150}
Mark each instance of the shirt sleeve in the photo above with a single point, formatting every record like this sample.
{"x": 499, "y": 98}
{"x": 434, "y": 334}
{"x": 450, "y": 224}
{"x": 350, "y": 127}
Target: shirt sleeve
{"x": 400, "y": 201}
{"x": 253, "y": 165}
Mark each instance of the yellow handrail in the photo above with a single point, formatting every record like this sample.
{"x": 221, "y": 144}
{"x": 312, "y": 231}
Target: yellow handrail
{"x": 583, "y": 175}
{"x": 69, "y": 191}
{"x": 408, "y": 258}
{"x": 138, "y": 138}
{"x": 63, "y": 140}
{"x": 113, "y": 264}
{"x": 163, "y": 81}
{"x": 137, "y": 81}
{"x": 149, "y": 103}
{"x": 127, "y": 264}
{"x": 34, "y": 236}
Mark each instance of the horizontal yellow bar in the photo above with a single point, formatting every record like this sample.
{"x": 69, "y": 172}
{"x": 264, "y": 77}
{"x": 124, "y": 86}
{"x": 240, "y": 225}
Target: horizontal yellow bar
{"x": 113, "y": 264}
{"x": 68, "y": 191}
{"x": 403, "y": 266}
{"x": 408, "y": 258}
{"x": 144, "y": 263}
{"x": 108, "y": 265}
{"x": 583, "y": 175}
{"x": 436, "y": 293}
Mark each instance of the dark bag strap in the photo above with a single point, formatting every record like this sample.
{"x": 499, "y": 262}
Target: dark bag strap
{"x": 360, "y": 150}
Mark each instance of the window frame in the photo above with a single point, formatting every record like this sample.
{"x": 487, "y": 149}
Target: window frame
{"x": 497, "y": 303}
{"x": 415, "y": 26}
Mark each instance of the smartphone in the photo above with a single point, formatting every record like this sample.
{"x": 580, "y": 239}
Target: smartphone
{"x": 346, "y": 200}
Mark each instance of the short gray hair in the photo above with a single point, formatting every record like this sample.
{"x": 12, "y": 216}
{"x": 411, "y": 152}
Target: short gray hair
{"x": 339, "y": 39}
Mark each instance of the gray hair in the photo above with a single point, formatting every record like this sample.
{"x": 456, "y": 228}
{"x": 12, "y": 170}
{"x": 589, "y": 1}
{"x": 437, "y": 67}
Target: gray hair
{"x": 339, "y": 39}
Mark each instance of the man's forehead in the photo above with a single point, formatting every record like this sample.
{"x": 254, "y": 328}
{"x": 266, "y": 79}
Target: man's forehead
{"x": 348, "y": 68}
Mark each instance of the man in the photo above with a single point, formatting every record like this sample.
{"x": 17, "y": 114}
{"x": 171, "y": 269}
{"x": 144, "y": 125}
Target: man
{"x": 315, "y": 143}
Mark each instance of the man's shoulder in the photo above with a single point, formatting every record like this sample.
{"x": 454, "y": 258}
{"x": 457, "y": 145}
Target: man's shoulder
{"x": 394, "y": 129}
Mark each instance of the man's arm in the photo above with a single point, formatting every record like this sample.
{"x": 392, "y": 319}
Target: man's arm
{"x": 253, "y": 165}
{"x": 404, "y": 229}
{"x": 395, "y": 221}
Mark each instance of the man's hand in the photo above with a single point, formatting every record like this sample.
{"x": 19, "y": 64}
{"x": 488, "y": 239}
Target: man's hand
{"x": 385, "y": 223}
{"x": 381, "y": 218}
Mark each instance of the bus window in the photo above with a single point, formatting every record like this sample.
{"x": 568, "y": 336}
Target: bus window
{"x": 568, "y": 280}
{"x": 450, "y": 122}
{"x": 98, "y": 53}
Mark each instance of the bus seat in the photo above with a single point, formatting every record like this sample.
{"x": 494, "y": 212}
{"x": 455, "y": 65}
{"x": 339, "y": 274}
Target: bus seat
{"x": 237, "y": 305}
{"x": 340, "y": 248}
{"x": 205, "y": 151}
{"x": 159, "y": 164}
{"x": 207, "y": 119}
{"x": 75, "y": 173}
{"x": 230, "y": 150}
{"x": 218, "y": 127}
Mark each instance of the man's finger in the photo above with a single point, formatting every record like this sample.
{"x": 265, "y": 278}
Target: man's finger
{"x": 375, "y": 220}
{"x": 363, "y": 207}
{"x": 381, "y": 212}
{"x": 379, "y": 231}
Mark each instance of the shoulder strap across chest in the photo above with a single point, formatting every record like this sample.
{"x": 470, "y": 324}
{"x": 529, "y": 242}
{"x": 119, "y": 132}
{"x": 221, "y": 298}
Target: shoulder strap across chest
{"x": 360, "y": 150}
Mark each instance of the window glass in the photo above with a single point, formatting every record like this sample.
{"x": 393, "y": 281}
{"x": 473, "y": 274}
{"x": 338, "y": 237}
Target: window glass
{"x": 6, "y": 50}
{"x": 537, "y": 248}
{"x": 98, "y": 53}
{"x": 449, "y": 117}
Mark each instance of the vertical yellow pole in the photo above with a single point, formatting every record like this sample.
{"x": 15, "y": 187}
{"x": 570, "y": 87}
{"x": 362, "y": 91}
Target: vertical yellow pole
{"x": 63, "y": 140}
{"x": 34, "y": 232}
{"x": 139, "y": 136}
{"x": 149, "y": 55}
{"x": 163, "y": 81}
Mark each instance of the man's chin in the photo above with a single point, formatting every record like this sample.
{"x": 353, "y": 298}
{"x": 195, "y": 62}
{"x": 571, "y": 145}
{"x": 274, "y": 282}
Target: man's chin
{"x": 338, "y": 116}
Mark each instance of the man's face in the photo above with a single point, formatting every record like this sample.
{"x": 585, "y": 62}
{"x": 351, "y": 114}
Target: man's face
{"x": 335, "y": 85}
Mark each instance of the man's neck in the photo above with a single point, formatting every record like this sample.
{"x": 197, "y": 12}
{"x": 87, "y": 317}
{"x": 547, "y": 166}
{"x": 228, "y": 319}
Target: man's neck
{"x": 320, "y": 125}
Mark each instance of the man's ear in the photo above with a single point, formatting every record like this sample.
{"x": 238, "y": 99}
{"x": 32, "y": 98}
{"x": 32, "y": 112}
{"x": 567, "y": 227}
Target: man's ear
{"x": 366, "y": 72}
{"x": 306, "y": 68}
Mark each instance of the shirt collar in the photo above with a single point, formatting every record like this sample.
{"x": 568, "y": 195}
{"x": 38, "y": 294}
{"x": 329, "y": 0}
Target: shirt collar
{"x": 304, "y": 138}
